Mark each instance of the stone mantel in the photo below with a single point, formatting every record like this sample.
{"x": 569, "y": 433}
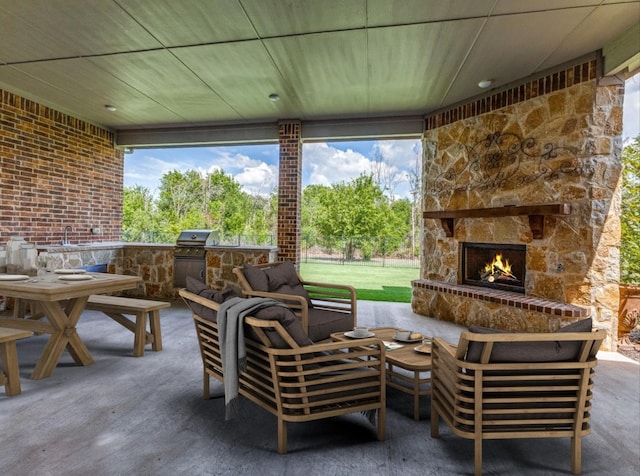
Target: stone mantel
{"x": 536, "y": 214}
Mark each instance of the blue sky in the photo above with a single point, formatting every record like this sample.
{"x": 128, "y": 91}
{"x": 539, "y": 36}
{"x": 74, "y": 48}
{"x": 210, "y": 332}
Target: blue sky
{"x": 256, "y": 167}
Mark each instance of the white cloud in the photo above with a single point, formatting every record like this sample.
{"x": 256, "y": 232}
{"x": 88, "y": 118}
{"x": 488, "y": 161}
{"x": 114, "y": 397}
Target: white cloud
{"x": 326, "y": 165}
{"x": 146, "y": 170}
{"x": 258, "y": 180}
{"x": 226, "y": 160}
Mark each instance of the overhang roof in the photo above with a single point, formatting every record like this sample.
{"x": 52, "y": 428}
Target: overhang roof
{"x": 191, "y": 63}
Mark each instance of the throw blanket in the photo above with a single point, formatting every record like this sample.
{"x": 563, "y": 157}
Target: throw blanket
{"x": 232, "y": 348}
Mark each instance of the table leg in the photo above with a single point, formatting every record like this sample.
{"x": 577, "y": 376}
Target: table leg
{"x": 416, "y": 395}
{"x": 64, "y": 335}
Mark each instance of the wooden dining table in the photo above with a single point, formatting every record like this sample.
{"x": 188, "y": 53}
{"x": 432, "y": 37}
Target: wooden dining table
{"x": 62, "y": 299}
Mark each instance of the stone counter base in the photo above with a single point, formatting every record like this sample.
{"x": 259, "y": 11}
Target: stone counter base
{"x": 467, "y": 305}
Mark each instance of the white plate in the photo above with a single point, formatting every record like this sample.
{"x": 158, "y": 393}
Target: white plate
{"x": 353, "y": 336}
{"x": 75, "y": 277}
{"x": 422, "y": 349}
{"x": 13, "y": 277}
{"x": 417, "y": 339}
{"x": 70, "y": 271}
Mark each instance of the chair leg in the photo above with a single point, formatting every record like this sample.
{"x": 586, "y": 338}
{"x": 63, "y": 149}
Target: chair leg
{"x": 435, "y": 420}
{"x": 576, "y": 455}
{"x": 382, "y": 423}
{"x": 205, "y": 385}
{"x": 477, "y": 456}
{"x": 282, "y": 436}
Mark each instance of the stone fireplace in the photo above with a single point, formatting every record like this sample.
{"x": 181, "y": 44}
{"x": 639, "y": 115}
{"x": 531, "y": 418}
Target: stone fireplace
{"x": 532, "y": 171}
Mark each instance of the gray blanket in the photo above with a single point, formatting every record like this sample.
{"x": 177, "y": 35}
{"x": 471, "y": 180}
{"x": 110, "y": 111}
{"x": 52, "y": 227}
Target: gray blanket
{"x": 232, "y": 348}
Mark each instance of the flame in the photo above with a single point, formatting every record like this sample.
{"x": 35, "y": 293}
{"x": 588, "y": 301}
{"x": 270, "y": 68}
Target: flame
{"x": 502, "y": 266}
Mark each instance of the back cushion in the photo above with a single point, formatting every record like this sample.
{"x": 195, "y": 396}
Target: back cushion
{"x": 201, "y": 289}
{"x": 256, "y": 277}
{"x": 284, "y": 279}
{"x": 557, "y": 351}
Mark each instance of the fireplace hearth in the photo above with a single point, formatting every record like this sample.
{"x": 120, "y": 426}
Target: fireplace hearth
{"x": 494, "y": 266}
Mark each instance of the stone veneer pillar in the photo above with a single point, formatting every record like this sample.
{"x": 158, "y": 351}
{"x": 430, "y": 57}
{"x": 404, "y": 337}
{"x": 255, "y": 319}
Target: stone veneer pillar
{"x": 289, "y": 190}
{"x": 555, "y": 139}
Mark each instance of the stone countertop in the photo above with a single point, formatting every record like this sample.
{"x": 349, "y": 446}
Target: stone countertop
{"x": 108, "y": 245}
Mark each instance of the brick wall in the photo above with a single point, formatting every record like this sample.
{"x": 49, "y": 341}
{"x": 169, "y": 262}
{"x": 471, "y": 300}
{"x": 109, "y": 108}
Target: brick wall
{"x": 56, "y": 170}
{"x": 289, "y": 191}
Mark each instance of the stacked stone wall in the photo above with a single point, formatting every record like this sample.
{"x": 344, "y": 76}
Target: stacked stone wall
{"x": 560, "y": 146}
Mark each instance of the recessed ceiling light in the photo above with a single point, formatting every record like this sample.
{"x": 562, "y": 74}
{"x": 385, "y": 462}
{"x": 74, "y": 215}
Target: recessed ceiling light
{"x": 109, "y": 107}
{"x": 485, "y": 83}
{"x": 274, "y": 97}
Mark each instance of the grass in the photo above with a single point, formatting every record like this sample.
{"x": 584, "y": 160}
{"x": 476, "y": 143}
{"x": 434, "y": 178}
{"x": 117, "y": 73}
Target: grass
{"x": 372, "y": 283}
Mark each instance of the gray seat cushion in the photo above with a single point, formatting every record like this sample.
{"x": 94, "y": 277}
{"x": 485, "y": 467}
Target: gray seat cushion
{"x": 323, "y": 323}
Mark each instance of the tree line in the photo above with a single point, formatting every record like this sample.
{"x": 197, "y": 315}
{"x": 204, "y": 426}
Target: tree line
{"x": 192, "y": 200}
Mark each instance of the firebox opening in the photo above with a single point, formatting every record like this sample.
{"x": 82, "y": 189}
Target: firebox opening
{"x": 496, "y": 266}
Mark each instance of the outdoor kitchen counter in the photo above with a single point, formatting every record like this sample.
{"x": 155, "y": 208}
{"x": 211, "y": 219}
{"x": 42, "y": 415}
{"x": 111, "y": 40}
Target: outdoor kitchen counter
{"x": 154, "y": 263}
{"x": 107, "y": 245}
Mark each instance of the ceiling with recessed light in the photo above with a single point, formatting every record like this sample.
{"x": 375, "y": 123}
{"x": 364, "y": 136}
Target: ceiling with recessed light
{"x": 168, "y": 63}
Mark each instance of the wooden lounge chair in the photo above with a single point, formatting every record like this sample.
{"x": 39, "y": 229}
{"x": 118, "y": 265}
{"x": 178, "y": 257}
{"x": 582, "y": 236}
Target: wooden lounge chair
{"x": 515, "y": 385}
{"x": 323, "y": 308}
{"x": 297, "y": 383}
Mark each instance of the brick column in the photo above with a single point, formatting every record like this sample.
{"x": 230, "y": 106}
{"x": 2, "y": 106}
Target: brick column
{"x": 289, "y": 191}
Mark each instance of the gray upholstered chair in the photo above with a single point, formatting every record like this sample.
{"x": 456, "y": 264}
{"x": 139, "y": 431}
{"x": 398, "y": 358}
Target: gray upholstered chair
{"x": 323, "y": 308}
{"x": 503, "y": 385}
{"x": 293, "y": 380}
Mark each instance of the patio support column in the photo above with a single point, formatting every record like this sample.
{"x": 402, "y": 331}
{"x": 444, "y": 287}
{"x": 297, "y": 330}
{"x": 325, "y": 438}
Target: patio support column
{"x": 289, "y": 190}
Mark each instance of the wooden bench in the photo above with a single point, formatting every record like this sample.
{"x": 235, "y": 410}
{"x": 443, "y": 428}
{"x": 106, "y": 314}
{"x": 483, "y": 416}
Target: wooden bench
{"x": 116, "y": 307}
{"x": 10, "y": 375}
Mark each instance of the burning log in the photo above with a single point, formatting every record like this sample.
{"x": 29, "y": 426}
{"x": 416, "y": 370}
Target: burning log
{"x": 497, "y": 269}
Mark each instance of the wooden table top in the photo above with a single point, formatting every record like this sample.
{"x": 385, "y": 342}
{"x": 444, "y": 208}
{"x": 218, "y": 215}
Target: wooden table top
{"x": 405, "y": 357}
{"x": 54, "y": 287}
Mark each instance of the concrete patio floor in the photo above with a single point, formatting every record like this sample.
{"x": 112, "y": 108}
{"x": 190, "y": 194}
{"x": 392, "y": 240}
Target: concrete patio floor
{"x": 146, "y": 416}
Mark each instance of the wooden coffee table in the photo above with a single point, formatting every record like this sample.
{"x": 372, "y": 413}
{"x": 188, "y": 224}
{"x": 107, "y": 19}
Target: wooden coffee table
{"x": 405, "y": 367}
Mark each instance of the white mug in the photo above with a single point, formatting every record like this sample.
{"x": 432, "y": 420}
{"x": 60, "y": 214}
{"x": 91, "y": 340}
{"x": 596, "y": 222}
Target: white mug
{"x": 403, "y": 335}
{"x": 360, "y": 331}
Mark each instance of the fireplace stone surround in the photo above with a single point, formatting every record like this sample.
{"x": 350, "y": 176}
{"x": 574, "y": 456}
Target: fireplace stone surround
{"x": 540, "y": 168}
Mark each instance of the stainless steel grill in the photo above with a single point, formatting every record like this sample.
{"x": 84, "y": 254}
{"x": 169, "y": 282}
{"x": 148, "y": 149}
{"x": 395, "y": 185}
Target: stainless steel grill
{"x": 190, "y": 255}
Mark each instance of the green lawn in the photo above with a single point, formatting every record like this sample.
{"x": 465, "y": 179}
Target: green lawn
{"x": 372, "y": 283}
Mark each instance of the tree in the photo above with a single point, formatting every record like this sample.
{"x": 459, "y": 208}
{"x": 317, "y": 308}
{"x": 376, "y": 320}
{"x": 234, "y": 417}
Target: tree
{"x": 630, "y": 217}
{"x": 181, "y": 200}
{"x": 139, "y": 217}
{"x": 215, "y": 201}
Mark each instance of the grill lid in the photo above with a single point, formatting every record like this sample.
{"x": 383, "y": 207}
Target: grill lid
{"x": 197, "y": 238}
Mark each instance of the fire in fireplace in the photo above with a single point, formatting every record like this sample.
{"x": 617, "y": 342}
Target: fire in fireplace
{"x": 497, "y": 266}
